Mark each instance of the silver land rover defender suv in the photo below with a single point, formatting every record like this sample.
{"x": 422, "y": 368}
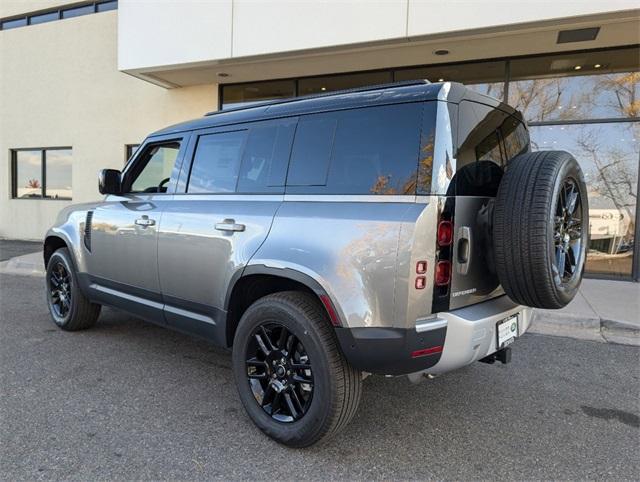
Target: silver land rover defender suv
{"x": 398, "y": 229}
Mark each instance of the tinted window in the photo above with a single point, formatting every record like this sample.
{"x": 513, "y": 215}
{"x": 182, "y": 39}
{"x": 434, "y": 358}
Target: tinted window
{"x": 216, "y": 163}
{"x": 78, "y": 11}
{"x": 45, "y": 17}
{"x": 515, "y": 137}
{"x": 480, "y": 157}
{"x": 372, "y": 151}
{"x": 264, "y": 162}
{"x": 153, "y": 170}
{"x": 312, "y": 150}
{"x": 18, "y": 22}
{"x": 105, "y": 6}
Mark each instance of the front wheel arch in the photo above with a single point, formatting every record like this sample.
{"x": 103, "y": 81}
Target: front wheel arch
{"x": 51, "y": 245}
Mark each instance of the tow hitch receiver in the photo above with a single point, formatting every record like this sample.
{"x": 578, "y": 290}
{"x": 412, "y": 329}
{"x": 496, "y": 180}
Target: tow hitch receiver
{"x": 503, "y": 356}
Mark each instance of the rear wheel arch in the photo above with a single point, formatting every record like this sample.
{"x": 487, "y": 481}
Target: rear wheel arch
{"x": 255, "y": 282}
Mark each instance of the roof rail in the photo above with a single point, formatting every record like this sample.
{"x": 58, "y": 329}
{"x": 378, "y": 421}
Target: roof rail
{"x": 368, "y": 88}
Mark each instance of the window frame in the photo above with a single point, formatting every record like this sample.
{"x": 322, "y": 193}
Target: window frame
{"x": 43, "y": 173}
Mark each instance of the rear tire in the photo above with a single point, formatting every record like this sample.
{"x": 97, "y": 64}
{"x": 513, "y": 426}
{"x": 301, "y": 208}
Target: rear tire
{"x": 69, "y": 308}
{"x": 540, "y": 229}
{"x": 329, "y": 398}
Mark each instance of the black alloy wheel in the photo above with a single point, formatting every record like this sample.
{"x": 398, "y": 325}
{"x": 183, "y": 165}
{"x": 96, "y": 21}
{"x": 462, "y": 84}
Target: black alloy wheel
{"x": 69, "y": 307}
{"x": 567, "y": 236}
{"x": 60, "y": 283}
{"x": 279, "y": 372}
{"x": 292, "y": 378}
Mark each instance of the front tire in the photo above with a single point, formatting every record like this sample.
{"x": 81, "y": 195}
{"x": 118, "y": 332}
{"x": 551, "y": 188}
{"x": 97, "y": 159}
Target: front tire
{"x": 69, "y": 308}
{"x": 291, "y": 376}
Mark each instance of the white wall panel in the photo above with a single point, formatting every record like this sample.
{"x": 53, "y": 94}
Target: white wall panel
{"x": 439, "y": 16}
{"x": 167, "y": 32}
{"x": 268, "y": 26}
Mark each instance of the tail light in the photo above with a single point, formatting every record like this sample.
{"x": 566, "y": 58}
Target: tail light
{"x": 443, "y": 273}
{"x": 445, "y": 233}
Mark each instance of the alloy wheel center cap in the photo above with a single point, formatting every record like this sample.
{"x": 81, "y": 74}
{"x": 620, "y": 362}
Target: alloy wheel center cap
{"x": 280, "y": 371}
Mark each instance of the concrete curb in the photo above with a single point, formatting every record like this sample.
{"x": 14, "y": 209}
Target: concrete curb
{"x": 26, "y": 265}
{"x": 593, "y": 329}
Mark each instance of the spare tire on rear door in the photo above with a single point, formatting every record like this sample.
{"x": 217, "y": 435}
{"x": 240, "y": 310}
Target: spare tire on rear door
{"x": 540, "y": 229}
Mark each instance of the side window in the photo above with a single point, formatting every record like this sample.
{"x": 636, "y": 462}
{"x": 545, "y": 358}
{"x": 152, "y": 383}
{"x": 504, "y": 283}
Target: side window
{"x": 312, "y": 150}
{"x": 371, "y": 150}
{"x": 265, "y": 158}
{"x": 376, "y": 150}
{"x": 153, "y": 170}
{"x": 216, "y": 163}
{"x": 515, "y": 137}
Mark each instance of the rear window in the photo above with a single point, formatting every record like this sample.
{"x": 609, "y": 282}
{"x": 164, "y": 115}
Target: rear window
{"x": 371, "y": 150}
{"x": 487, "y": 139}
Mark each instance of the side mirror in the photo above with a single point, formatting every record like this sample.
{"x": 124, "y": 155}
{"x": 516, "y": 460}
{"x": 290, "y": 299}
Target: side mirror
{"x": 109, "y": 181}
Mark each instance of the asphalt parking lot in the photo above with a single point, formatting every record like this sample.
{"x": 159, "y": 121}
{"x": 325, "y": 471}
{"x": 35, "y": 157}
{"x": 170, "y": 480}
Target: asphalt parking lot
{"x": 128, "y": 400}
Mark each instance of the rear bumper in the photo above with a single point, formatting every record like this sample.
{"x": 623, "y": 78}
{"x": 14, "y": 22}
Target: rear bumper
{"x": 449, "y": 341}
{"x": 471, "y": 332}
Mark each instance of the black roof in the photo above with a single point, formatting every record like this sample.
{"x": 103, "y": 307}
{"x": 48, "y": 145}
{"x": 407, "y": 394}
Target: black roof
{"x": 396, "y": 93}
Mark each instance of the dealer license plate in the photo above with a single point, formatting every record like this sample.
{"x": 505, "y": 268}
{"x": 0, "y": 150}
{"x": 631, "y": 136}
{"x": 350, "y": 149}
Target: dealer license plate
{"x": 507, "y": 331}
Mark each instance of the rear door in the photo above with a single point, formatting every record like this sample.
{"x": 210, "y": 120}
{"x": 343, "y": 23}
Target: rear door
{"x": 487, "y": 138}
{"x": 233, "y": 182}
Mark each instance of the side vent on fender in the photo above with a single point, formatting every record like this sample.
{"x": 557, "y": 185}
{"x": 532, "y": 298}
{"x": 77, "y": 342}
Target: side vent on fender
{"x": 87, "y": 231}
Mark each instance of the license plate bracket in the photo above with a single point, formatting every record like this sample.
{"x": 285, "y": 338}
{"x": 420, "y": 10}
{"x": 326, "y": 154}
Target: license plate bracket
{"x": 507, "y": 331}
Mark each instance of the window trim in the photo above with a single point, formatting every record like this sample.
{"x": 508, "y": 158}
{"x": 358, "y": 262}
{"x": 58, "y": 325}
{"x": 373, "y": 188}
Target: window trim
{"x": 13, "y": 153}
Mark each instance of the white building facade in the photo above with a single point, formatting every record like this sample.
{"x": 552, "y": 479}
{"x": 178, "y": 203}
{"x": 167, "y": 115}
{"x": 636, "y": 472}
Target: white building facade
{"x": 81, "y": 84}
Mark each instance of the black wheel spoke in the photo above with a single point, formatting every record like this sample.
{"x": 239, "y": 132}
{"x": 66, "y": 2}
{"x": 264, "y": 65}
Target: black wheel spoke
{"x": 276, "y": 403}
{"x": 262, "y": 344}
{"x": 282, "y": 339}
{"x": 293, "y": 410}
{"x": 267, "y": 338}
{"x": 301, "y": 366}
{"x": 267, "y": 395}
{"x": 301, "y": 379}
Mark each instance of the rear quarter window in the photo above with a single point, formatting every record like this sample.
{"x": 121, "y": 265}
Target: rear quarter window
{"x": 487, "y": 139}
{"x": 371, "y": 150}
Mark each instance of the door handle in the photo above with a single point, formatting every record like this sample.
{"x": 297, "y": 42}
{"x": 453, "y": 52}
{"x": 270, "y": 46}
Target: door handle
{"x": 230, "y": 225}
{"x": 464, "y": 249}
{"x": 145, "y": 221}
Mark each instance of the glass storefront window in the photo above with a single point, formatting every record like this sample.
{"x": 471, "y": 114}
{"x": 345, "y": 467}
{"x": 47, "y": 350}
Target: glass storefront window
{"x": 316, "y": 85}
{"x": 609, "y": 154}
{"x": 589, "y": 85}
{"x": 485, "y": 77}
{"x": 244, "y": 94}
